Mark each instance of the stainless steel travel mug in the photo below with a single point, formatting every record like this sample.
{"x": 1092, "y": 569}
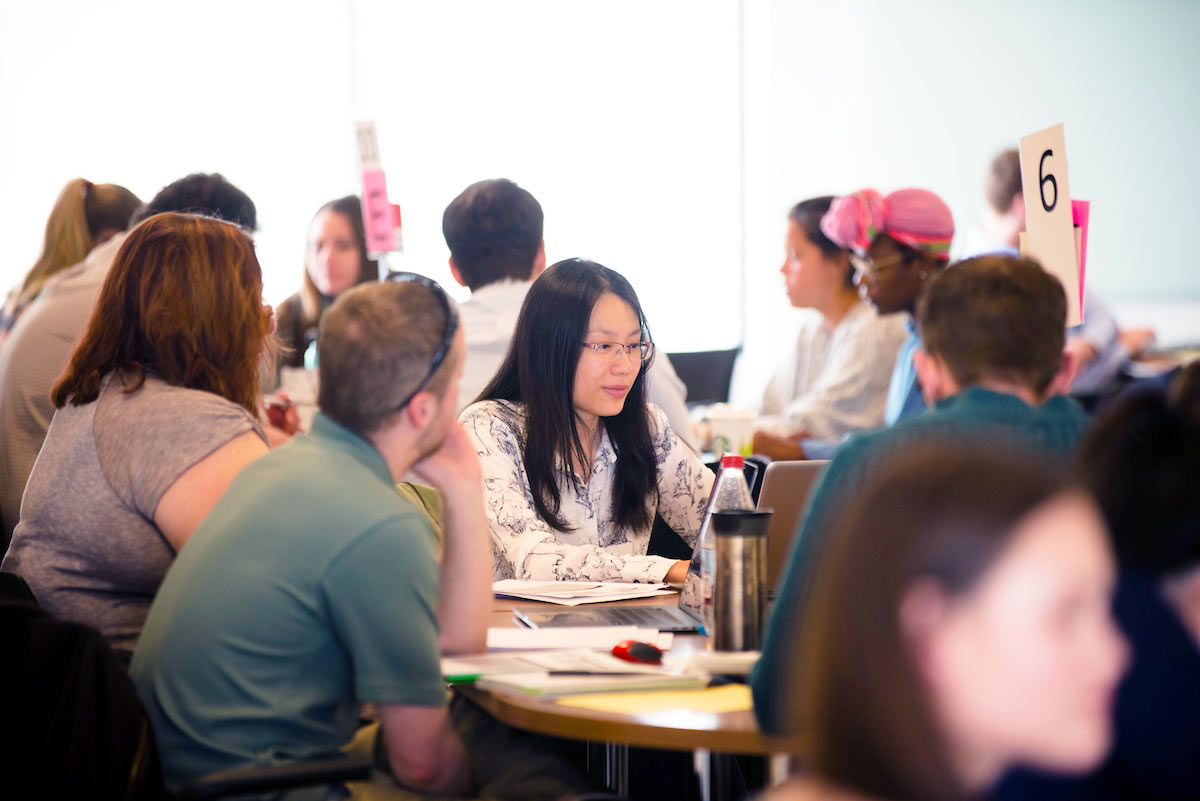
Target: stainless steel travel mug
{"x": 739, "y": 587}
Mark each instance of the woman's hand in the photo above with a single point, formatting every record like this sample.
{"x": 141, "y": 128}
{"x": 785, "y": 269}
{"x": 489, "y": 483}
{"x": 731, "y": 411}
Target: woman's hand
{"x": 677, "y": 573}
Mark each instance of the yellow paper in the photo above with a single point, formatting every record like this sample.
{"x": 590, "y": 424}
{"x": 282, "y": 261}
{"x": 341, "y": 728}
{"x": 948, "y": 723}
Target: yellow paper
{"x": 726, "y": 698}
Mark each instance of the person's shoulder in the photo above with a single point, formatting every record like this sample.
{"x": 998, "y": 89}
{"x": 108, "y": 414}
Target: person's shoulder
{"x": 290, "y": 308}
{"x": 863, "y": 319}
{"x": 160, "y": 398}
{"x": 657, "y": 418}
{"x": 157, "y": 406}
{"x": 490, "y": 409}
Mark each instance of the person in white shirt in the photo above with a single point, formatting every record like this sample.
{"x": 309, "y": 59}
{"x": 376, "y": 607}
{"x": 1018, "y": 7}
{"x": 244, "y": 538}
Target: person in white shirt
{"x": 834, "y": 381}
{"x": 575, "y": 462}
{"x": 494, "y": 232}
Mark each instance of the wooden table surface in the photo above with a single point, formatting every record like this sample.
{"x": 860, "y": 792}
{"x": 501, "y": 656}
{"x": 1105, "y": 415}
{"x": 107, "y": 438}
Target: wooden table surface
{"x": 729, "y": 732}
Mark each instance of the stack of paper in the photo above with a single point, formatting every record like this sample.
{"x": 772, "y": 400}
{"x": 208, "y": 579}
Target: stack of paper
{"x": 459, "y": 670}
{"x": 599, "y": 637}
{"x": 553, "y": 685}
{"x": 574, "y": 593}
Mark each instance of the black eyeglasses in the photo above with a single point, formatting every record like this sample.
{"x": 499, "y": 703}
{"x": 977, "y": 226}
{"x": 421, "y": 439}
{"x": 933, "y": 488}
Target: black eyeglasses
{"x": 449, "y": 315}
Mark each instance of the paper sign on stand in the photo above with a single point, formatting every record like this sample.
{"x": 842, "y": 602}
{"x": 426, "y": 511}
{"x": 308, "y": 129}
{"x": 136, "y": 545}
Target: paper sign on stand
{"x": 380, "y": 218}
{"x": 1049, "y": 216}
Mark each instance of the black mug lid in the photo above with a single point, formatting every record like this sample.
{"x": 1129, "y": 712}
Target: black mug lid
{"x": 741, "y": 522}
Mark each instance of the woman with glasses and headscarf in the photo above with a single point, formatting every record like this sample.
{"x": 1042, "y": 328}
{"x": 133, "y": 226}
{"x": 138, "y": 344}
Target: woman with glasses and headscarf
{"x": 576, "y": 464}
{"x": 899, "y": 244}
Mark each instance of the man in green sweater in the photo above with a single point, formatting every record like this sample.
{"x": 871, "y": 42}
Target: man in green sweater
{"x": 991, "y": 371}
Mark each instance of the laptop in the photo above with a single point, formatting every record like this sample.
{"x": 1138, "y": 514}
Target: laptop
{"x": 683, "y": 618}
{"x": 785, "y": 488}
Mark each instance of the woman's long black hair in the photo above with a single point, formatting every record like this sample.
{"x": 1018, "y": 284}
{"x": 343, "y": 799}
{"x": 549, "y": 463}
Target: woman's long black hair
{"x": 539, "y": 373}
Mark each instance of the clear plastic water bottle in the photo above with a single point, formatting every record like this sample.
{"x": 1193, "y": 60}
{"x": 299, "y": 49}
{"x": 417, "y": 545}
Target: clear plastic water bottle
{"x": 729, "y": 492}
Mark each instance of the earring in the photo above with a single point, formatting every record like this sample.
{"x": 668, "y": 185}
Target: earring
{"x": 922, "y": 275}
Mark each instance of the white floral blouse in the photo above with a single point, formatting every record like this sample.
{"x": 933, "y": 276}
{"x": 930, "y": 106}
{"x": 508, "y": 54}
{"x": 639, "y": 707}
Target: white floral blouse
{"x": 525, "y": 546}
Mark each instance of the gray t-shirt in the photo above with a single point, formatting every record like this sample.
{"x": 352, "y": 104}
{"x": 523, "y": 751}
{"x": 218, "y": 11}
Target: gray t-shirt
{"x": 87, "y": 544}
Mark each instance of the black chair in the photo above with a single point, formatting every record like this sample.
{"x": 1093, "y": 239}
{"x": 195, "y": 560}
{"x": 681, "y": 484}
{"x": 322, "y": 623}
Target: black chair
{"x": 74, "y": 726}
{"x": 707, "y": 374}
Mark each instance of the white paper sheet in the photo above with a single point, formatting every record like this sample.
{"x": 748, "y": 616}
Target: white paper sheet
{"x": 574, "y": 593}
{"x": 569, "y": 637}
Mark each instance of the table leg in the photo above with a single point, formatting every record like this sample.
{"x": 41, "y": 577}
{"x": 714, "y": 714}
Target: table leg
{"x": 779, "y": 767}
{"x": 609, "y": 764}
{"x": 703, "y": 764}
{"x": 717, "y": 773}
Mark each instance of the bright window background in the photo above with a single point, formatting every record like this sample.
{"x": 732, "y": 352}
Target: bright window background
{"x": 627, "y": 121}
{"x": 621, "y": 118}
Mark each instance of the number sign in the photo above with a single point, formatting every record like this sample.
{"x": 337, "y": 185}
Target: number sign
{"x": 1049, "y": 221}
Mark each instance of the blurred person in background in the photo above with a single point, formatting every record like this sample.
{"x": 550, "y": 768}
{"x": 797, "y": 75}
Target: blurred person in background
{"x": 960, "y": 626}
{"x": 157, "y": 412}
{"x": 494, "y": 232}
{"x": 900, "y": 243}
{"x": 1099, "y": 347}
{"x": 1142, "y": 461}
{"x": 835, "y": 380}
{"x": 42, "y": 340}
{"x": 335, "y": 260}
{"x": 85, "y": 216}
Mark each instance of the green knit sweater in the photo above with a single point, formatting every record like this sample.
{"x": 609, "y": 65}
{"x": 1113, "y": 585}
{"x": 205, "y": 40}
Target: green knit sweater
{"x": 974, "y": 415}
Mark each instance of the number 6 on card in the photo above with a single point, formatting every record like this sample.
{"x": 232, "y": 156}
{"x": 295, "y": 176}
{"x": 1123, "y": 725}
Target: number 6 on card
{"x": 1049, "y": 222}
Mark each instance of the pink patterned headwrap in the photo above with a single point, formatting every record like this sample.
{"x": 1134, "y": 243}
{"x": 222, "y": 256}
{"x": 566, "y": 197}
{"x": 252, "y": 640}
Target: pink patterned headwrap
{"x": 915, "y": 217}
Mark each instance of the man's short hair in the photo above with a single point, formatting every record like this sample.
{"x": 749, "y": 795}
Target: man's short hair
{"x": 206, "y": 194}
{"x": 1004, "y": 180}
{"x": 995, "y": 317}
{"x": 493, "y": 230}
{"x": 375, "y": 344}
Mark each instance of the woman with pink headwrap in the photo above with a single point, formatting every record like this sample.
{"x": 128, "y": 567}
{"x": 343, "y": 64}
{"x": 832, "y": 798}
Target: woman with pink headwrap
{"x": 899, "y": 243}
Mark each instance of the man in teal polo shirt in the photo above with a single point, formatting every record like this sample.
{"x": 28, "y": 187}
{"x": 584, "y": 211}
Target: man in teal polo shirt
{"x": 993, "y": 330}
{"x": 313, "y": 586}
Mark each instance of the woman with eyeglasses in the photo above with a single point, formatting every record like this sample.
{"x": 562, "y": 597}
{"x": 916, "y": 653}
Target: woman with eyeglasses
{"x": 834, "y": 381}
{"x": 575, "y": 462}
{"x": 899, "y": 244}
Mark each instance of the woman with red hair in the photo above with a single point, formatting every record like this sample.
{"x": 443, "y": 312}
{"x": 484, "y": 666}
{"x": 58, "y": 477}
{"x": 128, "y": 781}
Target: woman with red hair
{"x": 155, "y": 415}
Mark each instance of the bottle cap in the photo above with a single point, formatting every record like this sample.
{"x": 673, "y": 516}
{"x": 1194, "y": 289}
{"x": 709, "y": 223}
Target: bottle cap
{"x": 733, "y": 460}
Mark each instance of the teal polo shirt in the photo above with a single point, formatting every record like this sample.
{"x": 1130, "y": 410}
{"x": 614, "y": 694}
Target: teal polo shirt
{"x": 975, "y": 417}
{"x": 309, "y": 589}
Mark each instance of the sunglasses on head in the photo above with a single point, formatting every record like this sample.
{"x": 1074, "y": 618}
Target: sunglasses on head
{"x": 449, "y": 326}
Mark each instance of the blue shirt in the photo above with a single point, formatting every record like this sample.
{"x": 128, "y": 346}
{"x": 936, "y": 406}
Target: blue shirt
{"x": 904, "y": 398}
{"x": 310, "y": 588}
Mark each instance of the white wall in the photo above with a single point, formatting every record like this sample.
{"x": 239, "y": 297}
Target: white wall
{"x": 923, "y": 93}
{"x": 142, "y": 93}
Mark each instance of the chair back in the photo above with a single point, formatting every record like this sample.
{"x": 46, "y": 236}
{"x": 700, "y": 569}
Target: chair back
{"x": 77, "y": 727}
{"x": 707, "y": 374}
{"x": 786, "y": 488}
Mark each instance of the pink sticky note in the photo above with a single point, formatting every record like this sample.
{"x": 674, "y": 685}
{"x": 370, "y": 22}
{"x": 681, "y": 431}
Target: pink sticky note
{"x": 1080, "y": 209}
{"x": 378, "y": 218}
